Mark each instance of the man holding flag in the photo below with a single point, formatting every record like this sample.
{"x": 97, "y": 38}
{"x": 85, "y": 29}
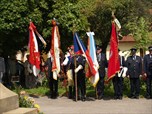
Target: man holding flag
{"x": 102, "y": 61}
{"x": 79, "y": 49}
{"x": 55, "y": 49}
{"x": 114, "y": 63}
{"x": 78, "y": 63}
{"x": 53, "y": 60}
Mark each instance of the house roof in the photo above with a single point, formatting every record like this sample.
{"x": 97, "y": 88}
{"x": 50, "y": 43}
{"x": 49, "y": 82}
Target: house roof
{"x": 150, "y": 11}
{"x": 128, "y": 38}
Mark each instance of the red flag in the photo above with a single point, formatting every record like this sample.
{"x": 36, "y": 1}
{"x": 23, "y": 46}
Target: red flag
{"x": 55, "y": 51}
{"x": 114, "y": 64}
{"x": 34, "y": 57}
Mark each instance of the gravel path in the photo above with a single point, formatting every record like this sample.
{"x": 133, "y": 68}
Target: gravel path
{"x": 63, "y": 105}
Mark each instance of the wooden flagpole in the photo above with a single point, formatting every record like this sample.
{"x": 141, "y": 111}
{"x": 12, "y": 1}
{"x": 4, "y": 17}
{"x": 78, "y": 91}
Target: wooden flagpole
{"x": 76, "y": 85}
{"x": 75, "y": 76}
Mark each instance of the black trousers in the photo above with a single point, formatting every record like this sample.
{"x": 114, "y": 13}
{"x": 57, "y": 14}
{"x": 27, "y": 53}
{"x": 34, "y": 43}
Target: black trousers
{"x": 53, "y": 85}
{"x": 134, "y": 86}
{"x": 81, "y": 87}
{"x": 118, "y": 86}
{"x": 100, "y": 87}
{"x": 70, "y": 93}
{"x": 149, "y": 85}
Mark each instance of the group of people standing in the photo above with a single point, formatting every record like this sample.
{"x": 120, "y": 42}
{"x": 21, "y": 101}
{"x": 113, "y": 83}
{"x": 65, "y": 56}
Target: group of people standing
{"x": 74, "y": 66}
{"x": 136, "y": 67}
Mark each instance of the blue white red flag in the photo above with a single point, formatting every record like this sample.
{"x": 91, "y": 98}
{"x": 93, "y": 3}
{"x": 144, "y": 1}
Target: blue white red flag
{"x": 92, "y": 51}
{"x": 79, "y": 48}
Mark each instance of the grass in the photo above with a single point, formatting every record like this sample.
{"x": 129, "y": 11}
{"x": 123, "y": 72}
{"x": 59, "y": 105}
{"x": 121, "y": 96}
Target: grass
{"x": 90, "y": 90}
{"x": 40, "y": 91}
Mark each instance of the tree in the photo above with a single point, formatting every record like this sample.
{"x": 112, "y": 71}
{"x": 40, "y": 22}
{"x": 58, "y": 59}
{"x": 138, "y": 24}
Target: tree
{"x": 71, "y": 16}
{"x": 101, "y": 20}
{"x": 127, "y": 11}
{"x": 14, "y": 21}
{"x": 138, "y": 25}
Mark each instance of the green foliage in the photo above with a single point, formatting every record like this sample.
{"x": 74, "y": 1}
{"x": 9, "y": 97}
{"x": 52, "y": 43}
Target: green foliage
{"x": 24, "y": 99}
{"x": 28, "y": 102}
{"x": 72, "y": 15}
{"x": 40, "y": 91}
{"x": 140, "y": 31}
{"x": 126, "y": 11}
{"x": 90, "y": 90}
{"x": 24, "y": 102}
{"x": 14, "y": 21}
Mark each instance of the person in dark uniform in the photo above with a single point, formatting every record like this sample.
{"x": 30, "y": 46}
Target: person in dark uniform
{"x": 102, "y": 61}
{"x": 118, "y": 80}
{"x": 79, "y": 70}
{"x": 148, "y": 72}
{"x": 134, "y": 65}
{"x": 53, "y": 84}
{"x": 67, "y": 64}
{"x": 2, "y": 68}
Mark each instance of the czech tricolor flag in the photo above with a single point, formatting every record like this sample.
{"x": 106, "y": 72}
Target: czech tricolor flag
{"x": 79, "y": 48}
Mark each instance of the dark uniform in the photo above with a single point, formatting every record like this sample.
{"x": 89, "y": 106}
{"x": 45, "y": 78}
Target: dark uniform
{"x": 134, "y": 65}
{"x": 68, "y": 68}
{"x": 53, "y": 84}
{"x": 148, "y": 72}
{"x": 102, "y": 61}
{"x": 118, "y": 81}
{"x": 80, "y": 60}
{"x": 2, "y": 68}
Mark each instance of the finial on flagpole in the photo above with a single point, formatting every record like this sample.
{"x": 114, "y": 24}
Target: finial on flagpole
{"x": 89, "y": 29}
{"x": 30, "y": 20}
{"x": 113, "y": 14}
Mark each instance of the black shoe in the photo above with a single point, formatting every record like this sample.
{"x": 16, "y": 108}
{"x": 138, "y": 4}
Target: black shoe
{"x": 83, "y": 99}
{"x": 100, "y": 97}
{"x": 51, "y": 96}
{"x": 131, "y": 96}
{"x": 120, "y": 97}
{"x": 74, "y": 98}
{"x": 70, "y": 97}
{"x": 148, "y": 97}
{"x": 55, "y": 96}
{"x": 115, "y": 97}
{"x": 136, "y": 97}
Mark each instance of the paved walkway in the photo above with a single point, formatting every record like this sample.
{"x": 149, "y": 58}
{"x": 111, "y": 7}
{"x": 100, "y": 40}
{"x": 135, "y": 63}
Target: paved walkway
{"x": 62, "y": 105}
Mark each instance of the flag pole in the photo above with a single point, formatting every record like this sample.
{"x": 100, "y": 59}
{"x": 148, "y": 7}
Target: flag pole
{"x": 75, "y": 76}
{"x": 76, "y": 82}
{"x": 76, "y": 85}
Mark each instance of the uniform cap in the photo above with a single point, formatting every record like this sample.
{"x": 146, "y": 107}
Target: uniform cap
{"x": 98, "y": 47}
{"x": 133, "y": 49}
{"x": 118, "y": 49}
{"x": 150, "y": 48}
